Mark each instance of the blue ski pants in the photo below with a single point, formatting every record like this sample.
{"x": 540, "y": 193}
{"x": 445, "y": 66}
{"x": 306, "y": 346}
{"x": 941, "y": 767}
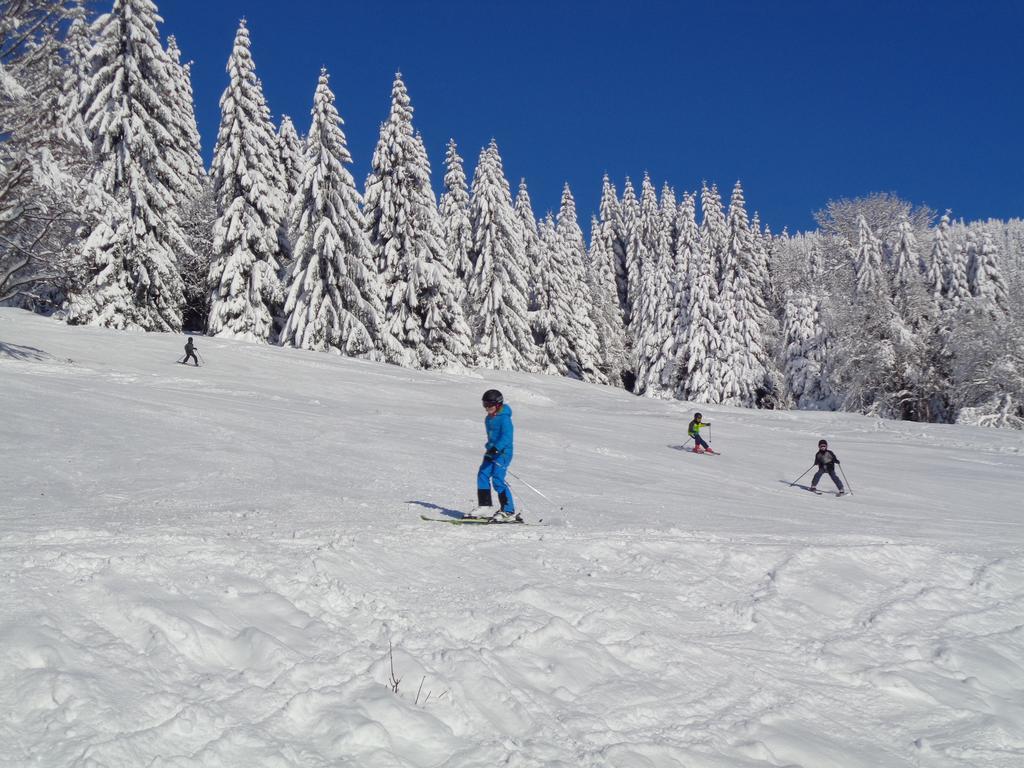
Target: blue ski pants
{"x": 492, "y": 471}
{"x": 698, "y": 440}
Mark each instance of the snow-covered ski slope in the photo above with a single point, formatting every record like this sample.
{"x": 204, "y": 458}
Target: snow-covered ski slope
{"x": 208, "y": 567}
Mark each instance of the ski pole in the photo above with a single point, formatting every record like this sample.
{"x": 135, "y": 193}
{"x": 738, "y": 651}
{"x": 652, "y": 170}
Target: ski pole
{"x": 844, "y": 478}
{"x": 517, "y": 477}
{"x": 202, "y": 360}
{"x": 798, "y": 479}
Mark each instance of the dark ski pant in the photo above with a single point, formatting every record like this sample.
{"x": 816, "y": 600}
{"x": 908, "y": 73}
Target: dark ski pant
{"x": 698, "y": 440}
{"x": 191, "y": 356}
{"x": 493, "y": 472}
{"x": 831, "y": 473}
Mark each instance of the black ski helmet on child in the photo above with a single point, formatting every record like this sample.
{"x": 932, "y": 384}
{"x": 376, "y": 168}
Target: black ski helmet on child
{"x": 493, "y": 397}
{"x": 698, "y": 416}
{"x": 823, "y": 442}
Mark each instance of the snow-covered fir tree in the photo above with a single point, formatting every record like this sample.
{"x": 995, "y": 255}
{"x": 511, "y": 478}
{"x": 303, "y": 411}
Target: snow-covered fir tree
{"x": 867, "y": 258}
{"x": 184, "y": 131}
{"x": 454, "y": 210}
{"x": 699, "y": 368}
{"x": 743, "y": 350}
{"x": 244, "y": 283}
{"x": 407, "y": 241}
{"x": 605, "y": 259}
{"x": 957, "y": 284}
{"x": 984, "y": 278}
{"x": 684, "y": 259}
{"x": 627, "y": 230}
{"x": 77, "y": 45}
{"x": 759, "y": 268}
{"x": 905, "y": 259}
{"x": 333, "y": 302}
{"x": 552, "y": 342}
{"x": 939, "y": 260}
{"x": 536, "y": 255}
{"x": 652, "y": 327}
{"x": 805, "y": 353}
{"x": 613, "y": 226}
{"x": 498, "y": 287}
{"x": 292, "y": 156}
{"x": 131, "y": 99}
{"x": 447, "y": 335}
{"x": 713, "y": 230}
{"x": 569, "y": 294}
{"x": 291, "y": 162}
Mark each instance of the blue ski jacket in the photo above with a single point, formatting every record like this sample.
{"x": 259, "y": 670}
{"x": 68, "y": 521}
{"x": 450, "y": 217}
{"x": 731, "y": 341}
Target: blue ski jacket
{"x": 499, "y": 433}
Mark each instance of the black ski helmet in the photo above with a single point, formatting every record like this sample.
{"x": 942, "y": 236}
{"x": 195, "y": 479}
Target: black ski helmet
{"x": 493, "y": 397}
{"x": 698, "y": 416}
{"x": 823, "y": 442}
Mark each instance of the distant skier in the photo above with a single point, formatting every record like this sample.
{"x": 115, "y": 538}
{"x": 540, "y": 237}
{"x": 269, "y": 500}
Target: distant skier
{"x": 693, "y": 430}
{"x": 826, "y": 462}
{"x": 497, "y": 457}
{"x": 190, "y": 353}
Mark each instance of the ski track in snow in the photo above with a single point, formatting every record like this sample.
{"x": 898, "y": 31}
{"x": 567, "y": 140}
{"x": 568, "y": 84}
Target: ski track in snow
{"x": 218, "y": 567}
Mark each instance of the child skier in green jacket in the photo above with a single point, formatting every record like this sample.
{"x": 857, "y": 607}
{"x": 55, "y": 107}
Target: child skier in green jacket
{"x": 693, "y": 430}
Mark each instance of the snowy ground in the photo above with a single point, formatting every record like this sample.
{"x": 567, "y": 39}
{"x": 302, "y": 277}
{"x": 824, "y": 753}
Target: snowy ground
{"x": 208, "y": 568}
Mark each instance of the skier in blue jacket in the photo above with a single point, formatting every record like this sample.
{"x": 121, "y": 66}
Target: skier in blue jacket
{"x": 497, "y": 457}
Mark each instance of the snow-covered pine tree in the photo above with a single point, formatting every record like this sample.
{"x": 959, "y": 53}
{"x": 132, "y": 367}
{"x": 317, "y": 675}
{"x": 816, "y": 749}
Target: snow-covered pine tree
{"x": 743, "y": 352}
{"x": 77, "y": 45}
{"x": 698, "y": 367}
{"x": 867, "y": 259}
{"x": 407, "y": 241}
{"x": 575, "y": 304}
{"x": 684, "y": 260}
{"x": 957, "y": 284}
{"x": 447, "y": 336}
{"x": 498, "y": 288}
{"x": 130, "y": 103}
{"x": 668, "y": 206}
{"x": 536, "y": 255}
{"x": 244, "y": 283}
{"x": 984, "y": 277}
{"x": 333, "y": 302}
{"x": 291, "y": 158}
{"x": 655, "y": 318}
{"x": 291, "y": 152}
{"x": 713, "y": 229}
{"x": 805, "y": 353}
{"x": 816, "y": 260}
{"x": 905, "y": 260}
{"x": 628, "y": 226}
{"x": 940, "y": 259}
{"x": 184, "y": 131}
{"x": 760, "y": 277}
{"x": 612, "y": 223}
{"x": 604, "y": 288}
{"x": 550, "y": 339}
{"x": 454, "y": 210}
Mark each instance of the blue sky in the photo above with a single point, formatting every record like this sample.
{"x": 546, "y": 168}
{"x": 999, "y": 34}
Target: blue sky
{"x": 801, "y": 101}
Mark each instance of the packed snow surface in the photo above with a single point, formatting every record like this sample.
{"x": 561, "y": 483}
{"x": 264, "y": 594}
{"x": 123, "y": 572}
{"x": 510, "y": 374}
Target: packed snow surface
{"x": 226, "y": 566}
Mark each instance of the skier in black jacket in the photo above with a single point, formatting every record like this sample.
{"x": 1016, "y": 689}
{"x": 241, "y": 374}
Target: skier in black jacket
{"x": 826, "y": 462}
{"x": 190, "y": 353}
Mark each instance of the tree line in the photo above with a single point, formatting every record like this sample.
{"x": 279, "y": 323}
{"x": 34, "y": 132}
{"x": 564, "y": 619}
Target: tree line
{"x": 109, "y": 217}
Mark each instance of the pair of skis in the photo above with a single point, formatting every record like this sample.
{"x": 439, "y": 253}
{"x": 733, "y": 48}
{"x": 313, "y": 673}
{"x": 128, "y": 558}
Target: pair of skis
{"x": 474, "y": 520}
